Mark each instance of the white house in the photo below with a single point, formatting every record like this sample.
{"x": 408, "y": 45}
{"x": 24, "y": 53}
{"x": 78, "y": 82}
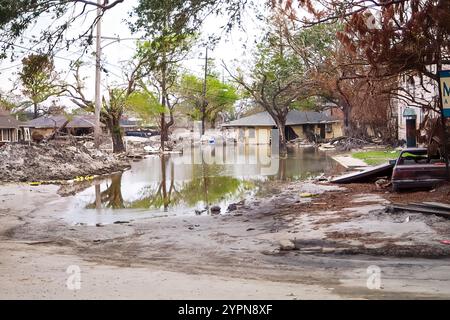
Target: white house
{"x": 424, "y": 92}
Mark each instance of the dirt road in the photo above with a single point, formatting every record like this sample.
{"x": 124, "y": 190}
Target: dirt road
{"x": 342, "y": 240}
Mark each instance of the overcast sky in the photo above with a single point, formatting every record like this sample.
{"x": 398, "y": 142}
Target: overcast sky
{"x": 230, "y": 48}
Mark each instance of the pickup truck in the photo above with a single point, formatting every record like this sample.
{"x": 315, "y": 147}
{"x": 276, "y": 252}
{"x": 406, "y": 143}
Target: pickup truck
{"x": 415, "y": 169}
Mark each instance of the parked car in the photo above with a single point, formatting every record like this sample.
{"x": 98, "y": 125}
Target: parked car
{"x": 141, "y": 134}
{"x": 415, "y": 169}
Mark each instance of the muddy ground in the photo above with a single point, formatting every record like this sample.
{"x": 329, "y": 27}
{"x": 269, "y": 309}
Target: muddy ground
{"x": 332, "y": 238}
{"x": 52, "y": 161}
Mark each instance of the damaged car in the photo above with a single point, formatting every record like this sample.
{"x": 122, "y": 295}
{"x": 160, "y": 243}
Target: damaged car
{"x": 414, "y": 168}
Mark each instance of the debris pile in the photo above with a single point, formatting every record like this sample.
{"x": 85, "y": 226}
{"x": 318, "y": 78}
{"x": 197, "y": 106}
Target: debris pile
{"x": 348, "y": 143}
{"x": 53, "y": 161}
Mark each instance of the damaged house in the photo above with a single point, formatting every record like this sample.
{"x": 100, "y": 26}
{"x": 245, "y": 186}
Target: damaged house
{"x": 11, "y": 129}
{"x": 78, "y": 125}
{"x": 257, "y": 129}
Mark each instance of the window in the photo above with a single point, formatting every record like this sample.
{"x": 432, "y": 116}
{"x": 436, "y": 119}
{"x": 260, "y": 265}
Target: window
{"x": 27, "y": 134}
{"x": 6, "y": 135}
{"x": 329, "y": 128}
{"x": 241, "y": 133}
{"x": 411, "y": 158}
{"x": 251, "y": 133}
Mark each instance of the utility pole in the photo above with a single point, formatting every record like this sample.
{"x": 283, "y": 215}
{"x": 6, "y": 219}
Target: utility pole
{"x": 204, "y": 102}
{"x": 98, "y": 94}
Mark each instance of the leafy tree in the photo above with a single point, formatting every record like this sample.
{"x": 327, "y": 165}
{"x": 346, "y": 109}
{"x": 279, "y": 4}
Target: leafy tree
{"x": 186, "y": 16}
{"x": 406, "y": 39}
{"x": 279, "y": 77}
{"x": 344, "y": 80}
{"x": 159, "y": 69}
{"x": 119, "y": 98}
{"x": 220, "y": 97}
{"x": 170, "y": 25}
{"x": 404, "y": 43}
{"x": 16, "y": 16}
{"x": 39, "y": 79}
{"x": 6, "y": 104}
{"x": 144, "y": 103}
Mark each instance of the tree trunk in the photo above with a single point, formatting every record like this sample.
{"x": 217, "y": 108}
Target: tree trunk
{"x": 203, "y": 120}
{"x": 347, "y": 120}
{"x": 166, "y": 201}
{"x": 213, "y": 122}
{"x": 116, "y": 135}
{"x": 114, "y": 193}
{"x": 283, "y": 142}
{"x": 168, "y": 124}
{"x": 163, "y": 131}
{"x": 36, "y": 111}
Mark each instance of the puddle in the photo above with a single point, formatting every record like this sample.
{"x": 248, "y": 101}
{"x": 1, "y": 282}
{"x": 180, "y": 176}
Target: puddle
{"x": 191, "y": 183}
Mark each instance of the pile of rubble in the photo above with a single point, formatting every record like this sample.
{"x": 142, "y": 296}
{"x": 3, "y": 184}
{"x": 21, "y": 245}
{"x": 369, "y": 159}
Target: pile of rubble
{"x": 348, "y": 143}
{"x": 52, "y": 161}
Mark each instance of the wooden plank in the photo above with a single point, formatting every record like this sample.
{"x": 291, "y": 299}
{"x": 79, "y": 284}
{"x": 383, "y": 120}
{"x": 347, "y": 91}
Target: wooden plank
{"x": 373, "y": 172}
{"x": 432, "y": 206}
{"x": 439, "y": 205}
{"x": 423, "y": 210}
{"x": 428, "y": 205}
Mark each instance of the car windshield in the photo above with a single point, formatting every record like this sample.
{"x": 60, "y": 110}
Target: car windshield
{"x": 415, "y": 157}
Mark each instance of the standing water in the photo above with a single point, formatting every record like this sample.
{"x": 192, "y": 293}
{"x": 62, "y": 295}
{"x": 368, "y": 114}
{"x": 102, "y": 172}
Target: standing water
{"x": 191, "y": 183}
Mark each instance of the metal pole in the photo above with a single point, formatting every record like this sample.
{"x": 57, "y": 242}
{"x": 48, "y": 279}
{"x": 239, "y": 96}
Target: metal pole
{"x": 444, "y": 123}
{"x": 98, "y": 94}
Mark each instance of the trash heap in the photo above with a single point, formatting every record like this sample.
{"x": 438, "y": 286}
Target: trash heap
{"x": 53, "y": 161}
{"x": 347, "y": 143}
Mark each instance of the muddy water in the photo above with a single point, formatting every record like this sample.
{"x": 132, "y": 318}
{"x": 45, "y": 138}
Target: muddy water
{"x": 192, "y": 183}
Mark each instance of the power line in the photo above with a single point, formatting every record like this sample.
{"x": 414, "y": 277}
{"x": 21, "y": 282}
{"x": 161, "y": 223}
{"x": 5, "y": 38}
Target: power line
{"x": 10, "y": 67}
{"x": 35, "y": 51}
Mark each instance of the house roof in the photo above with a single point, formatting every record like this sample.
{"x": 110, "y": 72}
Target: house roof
{"x": 7, "y": 121}
{"x": 80, "y": 121}
{"x": 294, "y": 117}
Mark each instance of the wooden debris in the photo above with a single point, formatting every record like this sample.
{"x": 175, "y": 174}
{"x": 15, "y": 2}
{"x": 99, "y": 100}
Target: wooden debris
{"x": 438, "y": 205}
{"x": 422, "y": 208}
{"x": 367, "y": 175}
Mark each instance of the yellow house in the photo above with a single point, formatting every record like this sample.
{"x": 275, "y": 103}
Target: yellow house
{"x": 77, "y": 125}
{"x": 257, "y": 129}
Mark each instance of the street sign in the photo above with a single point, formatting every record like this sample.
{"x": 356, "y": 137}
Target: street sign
{"x": 445, "y": 91}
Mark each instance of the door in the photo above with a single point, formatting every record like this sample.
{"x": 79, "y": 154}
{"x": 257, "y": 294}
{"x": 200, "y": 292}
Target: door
{"x": 263, "y": 136}
{"x": 290, "y": 134}
{"x": 322, "y": 131}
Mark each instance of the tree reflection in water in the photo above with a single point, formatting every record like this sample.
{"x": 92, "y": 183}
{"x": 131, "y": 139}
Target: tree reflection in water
{"x": 204, "y": 189}
{"x": 111, "y": 198}
{"x": 174, "y": 186}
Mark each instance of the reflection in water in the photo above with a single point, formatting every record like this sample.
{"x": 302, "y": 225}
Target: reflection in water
{"x": 98, "y": 198}
{"x": 111, "y": 198}
{"x": 182, "y": 184}
{"x": 282, "y": 169}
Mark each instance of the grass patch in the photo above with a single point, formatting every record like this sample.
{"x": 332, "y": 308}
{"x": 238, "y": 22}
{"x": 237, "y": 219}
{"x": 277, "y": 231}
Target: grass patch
{"x": 374, "y": 158}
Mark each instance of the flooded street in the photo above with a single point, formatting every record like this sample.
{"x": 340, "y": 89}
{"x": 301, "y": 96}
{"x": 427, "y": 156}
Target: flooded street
{"x": 150, "y": 232}
{"x": 192, "y": 183}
